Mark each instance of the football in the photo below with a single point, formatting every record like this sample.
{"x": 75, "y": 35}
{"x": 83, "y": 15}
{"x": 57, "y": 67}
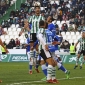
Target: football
{"x": 37, "y": 4}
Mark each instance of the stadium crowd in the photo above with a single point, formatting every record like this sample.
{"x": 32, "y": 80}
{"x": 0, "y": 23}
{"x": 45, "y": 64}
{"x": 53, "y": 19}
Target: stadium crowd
{"x": 61, "y": 10}
{"x": 4, "y": 5}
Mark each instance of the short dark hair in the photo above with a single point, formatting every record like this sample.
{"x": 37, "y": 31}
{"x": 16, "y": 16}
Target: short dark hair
{"x": 36, "y": 7}
{"x": 52, "y": 19}
{"x": 72, "y": 43}
{"x": 41, "y": 23}
{"x": 46, "y": 25}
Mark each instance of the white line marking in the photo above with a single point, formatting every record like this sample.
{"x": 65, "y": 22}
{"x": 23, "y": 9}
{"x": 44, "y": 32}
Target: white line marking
{"x": 43, "y": 81}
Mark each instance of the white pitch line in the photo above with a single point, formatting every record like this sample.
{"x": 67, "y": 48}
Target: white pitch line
{"x": 42, "y": 81}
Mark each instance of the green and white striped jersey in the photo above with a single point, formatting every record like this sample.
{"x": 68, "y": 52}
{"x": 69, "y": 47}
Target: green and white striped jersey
{"x": 34, "y": 20}
{"x": 42, "y": 31}
{"x": 82, "y": 43}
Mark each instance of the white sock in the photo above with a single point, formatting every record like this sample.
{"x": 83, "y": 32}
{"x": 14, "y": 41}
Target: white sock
{"x": 54, "y": 73}
{"x": 49, "y": 72}
{"x": 77, "y": 60}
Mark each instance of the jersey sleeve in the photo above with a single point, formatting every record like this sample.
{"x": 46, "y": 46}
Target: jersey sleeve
{"x": 40, "y": 38}
{"x": 27, "y": 41}
{"x": 79, "y": 40}
{"x": 51, "y": 27}
{"x": 43, "y": 18}
{"x": 56, "y": 38}
{"x": 30, "y": 19}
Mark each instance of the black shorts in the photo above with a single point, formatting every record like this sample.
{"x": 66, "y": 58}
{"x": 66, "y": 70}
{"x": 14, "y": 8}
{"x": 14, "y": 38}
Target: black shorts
{"x": 33, "y": 37}
{"x": 81, "y": 52}
{"x": 45, "y": 54}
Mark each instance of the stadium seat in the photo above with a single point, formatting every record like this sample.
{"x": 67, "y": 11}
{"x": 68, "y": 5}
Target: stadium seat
{"x": 18, "y": 29}
{"x": 7, "y": 41}
{"x": 57, "y": 2}
{"x": 21, "y": 37}
{"x": 6, "y": 36}
{"x": 75, "y": 41}
{"x": 63, "y": 33}
{"x": 58, "y": 22}
{"x": 11, "y": 37}
{"x": 14, "y": 29}
{"x": 10, "y": 33}
{"x": 70, "y": 41}
{"x": 9, "y": 29}
{"x": 73, "y": 37}
{"x": 52, "y": 2}
{"x": 13, "y": 26}
{"x": 2, "y": 37}
{"x": 15, "y": 33}
{"x": 63, "y": 22}
{"x": 5, "y": 29}
{"x": 69, "y": 37}
{"x": 67, "y": 33}
{"x": 17, "y": 25}
{"x": 16, "y": 36}
{"x": 64, "y": 37}
{"x": 78, "y": 37}
{"x": 77, "y": 33}
{"x": 22, "y": 41}
{"x": 73, "y": 33}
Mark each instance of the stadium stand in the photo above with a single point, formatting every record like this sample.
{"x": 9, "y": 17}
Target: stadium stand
{"x": 69, "y": 12}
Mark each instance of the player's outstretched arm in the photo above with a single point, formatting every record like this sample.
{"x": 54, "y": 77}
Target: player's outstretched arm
{"x": 3, "y": 46}
{"x": 76, "y": 45}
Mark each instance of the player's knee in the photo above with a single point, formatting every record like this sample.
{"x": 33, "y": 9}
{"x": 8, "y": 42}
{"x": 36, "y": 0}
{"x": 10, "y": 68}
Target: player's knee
{"x": 31, "y": 61}
{"x": 50, "y": 61}
{"x": 42, "y": 62}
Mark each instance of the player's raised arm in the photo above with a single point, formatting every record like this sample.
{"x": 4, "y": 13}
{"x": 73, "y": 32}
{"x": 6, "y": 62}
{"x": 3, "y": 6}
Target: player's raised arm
{"x": 3, "y": 46}
{"x": 26, "y": 25}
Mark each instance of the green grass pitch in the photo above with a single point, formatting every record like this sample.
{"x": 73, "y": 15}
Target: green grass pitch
{"x": 16, "y": 73}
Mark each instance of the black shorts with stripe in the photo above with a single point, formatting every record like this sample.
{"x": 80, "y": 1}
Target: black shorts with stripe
{"x": 45, "y": 54}
{"x": 33, "y": 37}
{"x": 81, "y": 52}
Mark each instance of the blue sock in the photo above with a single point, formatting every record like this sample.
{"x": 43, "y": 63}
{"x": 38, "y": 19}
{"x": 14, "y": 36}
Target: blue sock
{"x": 37, "y": 66}
{"x": 46, "y": 64}
{"x": 60, "y": 66}
{"x": 30, "y": 67}
{"x": 44, "y": 69}
{"x": 45, "y": 72}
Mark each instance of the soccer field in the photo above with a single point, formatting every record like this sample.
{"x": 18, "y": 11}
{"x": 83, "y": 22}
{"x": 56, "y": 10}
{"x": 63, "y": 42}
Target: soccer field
{"x": 15, "y": 73}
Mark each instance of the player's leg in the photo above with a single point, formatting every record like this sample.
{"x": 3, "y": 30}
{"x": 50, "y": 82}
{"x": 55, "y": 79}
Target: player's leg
{"x": 36, "y": 56}
{"x": 47, "y": 57}
{"x": 44, "y": 69}
{"x": 60, "y": 61}
{"x": 30, "y": 62}
{"x": 83, "y": 60}
{"x": 77, "y": 59}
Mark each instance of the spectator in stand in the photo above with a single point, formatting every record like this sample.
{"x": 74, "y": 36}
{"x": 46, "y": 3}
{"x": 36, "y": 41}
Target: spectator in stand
{"x": 65, "y": 45}
{"x": 71, "y": 28}
{"x": 2, "y": 32}
{"x": 12, "y": 43}
{"x": 80, "y": 27}
{"x": 17, "y": 42}
{"x": 64, "y": 27}
{"x": 60, "y": 13}
{"x": 55, "y": 15}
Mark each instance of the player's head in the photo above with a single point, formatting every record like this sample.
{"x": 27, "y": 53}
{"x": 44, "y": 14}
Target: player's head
{"x": 83, "y": 34}
{"x": 46, "y": 25}
{"x": 41, "y": 24}
{"x": 37, "y": 8}
{"x": 50, "y": 19}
